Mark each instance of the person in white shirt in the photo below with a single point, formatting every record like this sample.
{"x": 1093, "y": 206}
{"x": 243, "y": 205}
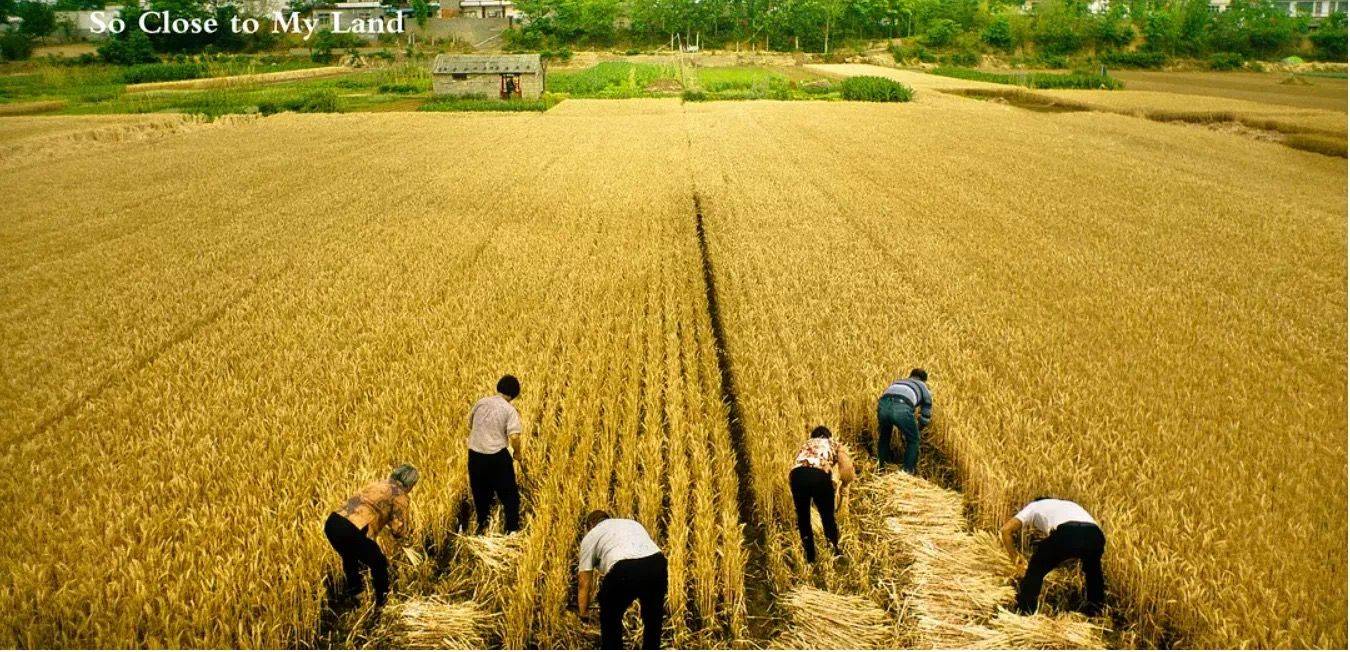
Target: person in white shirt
{"x": 632, "y": 567}
{"x": 1070, "y": 533}
{"x": 494, "y": 426}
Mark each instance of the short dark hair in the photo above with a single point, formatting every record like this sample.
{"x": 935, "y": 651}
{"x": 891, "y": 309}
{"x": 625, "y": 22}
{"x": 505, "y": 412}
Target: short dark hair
{"x": 918, "y": 373}
{"x": 1038, "y": 499}
{"x": 595, "y": 518}
{"x": 820, "y": 432}
{"x": 508, "y": 386}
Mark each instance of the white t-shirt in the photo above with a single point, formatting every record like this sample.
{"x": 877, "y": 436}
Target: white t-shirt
{"x": 1046, "y": 515}
{"x": 491, "y": 421}
{"x": 612, "y": 541}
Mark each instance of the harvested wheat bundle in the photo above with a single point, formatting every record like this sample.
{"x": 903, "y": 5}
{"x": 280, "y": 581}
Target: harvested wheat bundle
{"x": 493, "y": 553}
{"x": 912, "y": 507}
{"x": 958, "y": 581}
{"x": 1048, "y": 632}
{"x": 490, "y": 560}
{"x": 822, "y": 620}
{"x": 434, "y": 623}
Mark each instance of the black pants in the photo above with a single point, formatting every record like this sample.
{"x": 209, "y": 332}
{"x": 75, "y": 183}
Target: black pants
{"x": 813, "y": 485}
{"x": 358, "y": 550}
{"x": 643, "y": 580}
{"x": 493, "y": 477}
{"x": 1074, "y": 540}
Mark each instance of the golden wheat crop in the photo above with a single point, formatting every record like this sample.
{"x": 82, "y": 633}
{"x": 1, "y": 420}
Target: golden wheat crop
{"x": 1144, "y": 317}
{"x": 238, "y": 80}
{"x": 213, "y": 339}
{"x": 218, "y": 343}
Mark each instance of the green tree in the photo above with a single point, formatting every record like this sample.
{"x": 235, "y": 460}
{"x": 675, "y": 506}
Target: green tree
{"x": 998, "y": 33}
{"x": 1058, "y": 30}
{"x": 1160, "y": 32}
{"x": 421, "y": 10}
{"x": 39, "y": 18}
{"x": 940, "y": 32}
{"x": 79, "y": 5}
{"x": 128, "y": 49}
{"x": 1330, "y": 37}
{"x": 1113, "y": 30}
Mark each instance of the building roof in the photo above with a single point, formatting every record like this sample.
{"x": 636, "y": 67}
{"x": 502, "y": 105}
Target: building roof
{"x": 485, "y": 63}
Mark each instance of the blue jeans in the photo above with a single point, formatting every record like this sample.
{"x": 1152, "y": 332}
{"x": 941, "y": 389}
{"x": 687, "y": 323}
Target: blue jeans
{"x": 894, "y": 412}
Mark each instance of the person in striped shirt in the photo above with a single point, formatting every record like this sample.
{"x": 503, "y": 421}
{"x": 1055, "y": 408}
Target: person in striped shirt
{"x": 908, "y": 405}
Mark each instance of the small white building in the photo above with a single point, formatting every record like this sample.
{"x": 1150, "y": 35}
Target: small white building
{"x": 84, "y": 21}
{"x": 1313, "y": 8}
{"x": 488, "y": 76}
{"x": 488, "y": 9}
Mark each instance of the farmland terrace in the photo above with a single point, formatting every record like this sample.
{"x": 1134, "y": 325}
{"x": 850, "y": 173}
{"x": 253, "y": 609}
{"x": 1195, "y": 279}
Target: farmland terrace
{"x": 1143, "y": 315}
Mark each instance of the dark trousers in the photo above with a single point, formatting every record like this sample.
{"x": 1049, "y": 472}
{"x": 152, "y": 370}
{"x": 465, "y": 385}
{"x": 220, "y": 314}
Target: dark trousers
{"x": 643, "y": 580}
{"x": 1082, "y": 541}
{"x": 895, "y": 412}
{"x": 493, "y": 477}
{"x": 358, "y": 551}
{"x": 813, "y": 485}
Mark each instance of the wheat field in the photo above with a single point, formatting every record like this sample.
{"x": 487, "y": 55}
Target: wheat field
{"x": 208, "y": 344}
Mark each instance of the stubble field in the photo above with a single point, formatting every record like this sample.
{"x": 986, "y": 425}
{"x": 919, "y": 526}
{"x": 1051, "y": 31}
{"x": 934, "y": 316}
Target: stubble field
{"x": 212, "y": 336}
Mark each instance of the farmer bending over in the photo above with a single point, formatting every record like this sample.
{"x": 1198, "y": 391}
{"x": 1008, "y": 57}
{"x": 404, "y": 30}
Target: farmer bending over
{"x": 633, "y": 568}
{"x": 812, "y": 480}
{"x": 896, "y": 409}
{"x": 352, "y": 530}
{"x": 1071, "y": 533}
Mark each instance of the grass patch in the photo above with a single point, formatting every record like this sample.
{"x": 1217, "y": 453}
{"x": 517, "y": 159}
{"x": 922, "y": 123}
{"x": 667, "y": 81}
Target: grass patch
{"x": 474, "y": 104}
{"x": 616, "y": 79}
{"x": 875, "y": 89}
{"x": 757, "y": 83}
{"x": 161, "y": 72}
{"x": 1329, "y": 74}
{"x": 1034, "y": 79}
{"x": 1139, "y": 59}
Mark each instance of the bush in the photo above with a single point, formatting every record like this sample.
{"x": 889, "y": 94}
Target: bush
{"x": 560, "y": 54}
{"x": 1140, "y": 59}
{"x": 1053, "y": 61}
{"x": 1330, "y": 37}
{"x": 321, "y": 101}
{"x": 998, "y": 34}
{"x": 962, "y": 58}
{"x": 321, "y": 48}
{"x": 902, "y": 53}
{"x": 1225, "y": 61}
{"x": 694, "y": 96}
{"x": 817, "y": 88}
{"x": 129, "y": 50}
{"x": 940, "y": 32}
{"x": 15, "y": 46}
{"x": 398, "y": 88}
{"x": 161, "y": 72}
{"x": 1058, "y": 39}
{"x": 875, "y": 89}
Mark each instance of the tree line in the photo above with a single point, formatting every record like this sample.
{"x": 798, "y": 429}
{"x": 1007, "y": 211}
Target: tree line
{"x": 1052, "y": 28}
{"x": 1253, "y": 28}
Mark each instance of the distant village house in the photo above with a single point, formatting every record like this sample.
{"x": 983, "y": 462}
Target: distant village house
{"x": 493, "y": 76}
